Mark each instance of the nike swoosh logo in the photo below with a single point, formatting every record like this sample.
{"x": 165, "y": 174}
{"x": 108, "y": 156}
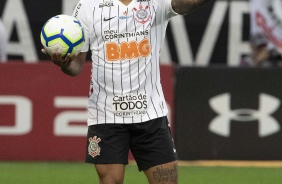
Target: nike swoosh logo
{"x": 109, "y": 18}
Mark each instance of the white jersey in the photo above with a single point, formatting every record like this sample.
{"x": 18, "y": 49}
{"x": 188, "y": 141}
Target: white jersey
{"x": 266, "y": 23}
{"x": 125, "y": 42}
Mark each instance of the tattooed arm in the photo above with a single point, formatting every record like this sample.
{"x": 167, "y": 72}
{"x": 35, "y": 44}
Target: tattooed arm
{"x": 185, "y": 6}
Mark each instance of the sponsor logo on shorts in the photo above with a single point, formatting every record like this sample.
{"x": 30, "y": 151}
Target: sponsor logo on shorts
{"x": 94, "y": 148}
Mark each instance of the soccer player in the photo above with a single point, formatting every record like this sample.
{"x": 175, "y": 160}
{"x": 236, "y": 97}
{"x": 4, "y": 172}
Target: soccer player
{"x": 265, "y": 32}
{"x": 127, "y": 109}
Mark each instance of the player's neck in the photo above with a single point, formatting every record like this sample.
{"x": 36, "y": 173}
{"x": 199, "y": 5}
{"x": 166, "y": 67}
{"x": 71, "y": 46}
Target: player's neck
{"x": 125, "y": 2}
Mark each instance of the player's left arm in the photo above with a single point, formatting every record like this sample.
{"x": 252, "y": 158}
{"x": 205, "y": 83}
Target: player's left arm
{"x": 185, "y": 6}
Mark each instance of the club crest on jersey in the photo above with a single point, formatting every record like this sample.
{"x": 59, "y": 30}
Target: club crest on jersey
{"x": 94, "y": 148}
{"x": 142, "y": 14}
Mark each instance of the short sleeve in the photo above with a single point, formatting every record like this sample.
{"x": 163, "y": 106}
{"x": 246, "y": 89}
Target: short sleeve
{"x": 80, "y": 12}
{"x": 168, "y": 9}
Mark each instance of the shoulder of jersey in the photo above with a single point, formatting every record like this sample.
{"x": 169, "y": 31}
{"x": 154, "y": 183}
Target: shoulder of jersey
{"x": 89, "y": 3}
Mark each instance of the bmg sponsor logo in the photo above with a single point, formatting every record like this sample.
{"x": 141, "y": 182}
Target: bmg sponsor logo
{"x": 127, "y": 50}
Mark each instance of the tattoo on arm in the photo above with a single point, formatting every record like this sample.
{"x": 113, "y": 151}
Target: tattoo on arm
{"x": 165, "y": 175}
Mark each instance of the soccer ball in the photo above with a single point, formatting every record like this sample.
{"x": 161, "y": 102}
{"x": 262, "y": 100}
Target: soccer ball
{"x": 62, "y": 33}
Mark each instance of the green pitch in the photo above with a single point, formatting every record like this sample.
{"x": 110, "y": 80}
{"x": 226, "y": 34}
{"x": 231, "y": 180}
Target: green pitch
{"x": 81, "y": 173}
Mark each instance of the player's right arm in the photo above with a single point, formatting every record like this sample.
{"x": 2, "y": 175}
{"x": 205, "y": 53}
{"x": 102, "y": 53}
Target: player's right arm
{"x": 73, "y": 67}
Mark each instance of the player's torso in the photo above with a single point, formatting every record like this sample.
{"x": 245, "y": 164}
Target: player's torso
{"x": 125, "y": 42}
{"x": 123, "y": 32}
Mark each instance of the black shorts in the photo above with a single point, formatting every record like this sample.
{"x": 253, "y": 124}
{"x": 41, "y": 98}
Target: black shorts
{"x": 150, "y": 142}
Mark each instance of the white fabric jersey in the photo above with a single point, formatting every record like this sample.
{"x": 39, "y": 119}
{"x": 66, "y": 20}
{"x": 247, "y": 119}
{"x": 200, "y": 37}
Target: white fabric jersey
{"x": 266, "y": 23}
{"x": 125, "y": 42}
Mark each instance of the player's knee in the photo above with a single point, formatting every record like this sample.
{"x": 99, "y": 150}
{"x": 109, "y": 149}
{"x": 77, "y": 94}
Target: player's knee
{"x": 107, "y": 176}
{"x": 165, "y": 173}
{"x": 110, "y": 180}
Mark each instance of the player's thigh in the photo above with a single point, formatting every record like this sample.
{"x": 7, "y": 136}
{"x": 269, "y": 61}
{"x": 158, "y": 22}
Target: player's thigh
{"x": 110, "y": 173}
{"x": 107, "y": 144}
{"x": 152, "y": 144}
{"x": 165, "y": 173}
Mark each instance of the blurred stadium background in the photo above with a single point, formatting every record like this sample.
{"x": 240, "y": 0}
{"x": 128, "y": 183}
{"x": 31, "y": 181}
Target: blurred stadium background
{"x": 226, "y": 118}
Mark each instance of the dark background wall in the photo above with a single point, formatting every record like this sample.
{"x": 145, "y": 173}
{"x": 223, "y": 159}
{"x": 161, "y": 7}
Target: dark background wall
{"x": 215, "y": 34}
